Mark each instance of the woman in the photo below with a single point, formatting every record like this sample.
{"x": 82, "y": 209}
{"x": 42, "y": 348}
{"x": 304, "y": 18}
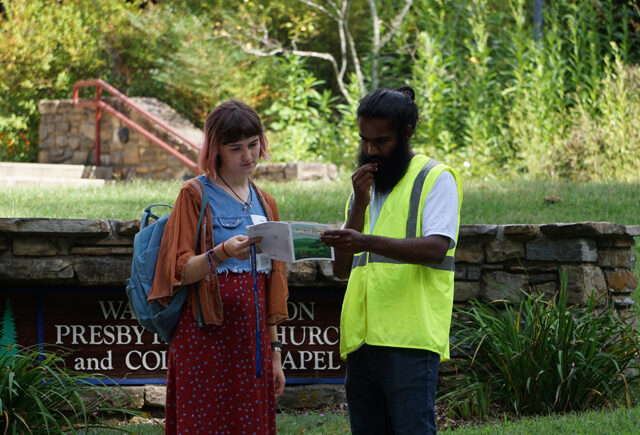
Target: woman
{"x": 224, "y": 375}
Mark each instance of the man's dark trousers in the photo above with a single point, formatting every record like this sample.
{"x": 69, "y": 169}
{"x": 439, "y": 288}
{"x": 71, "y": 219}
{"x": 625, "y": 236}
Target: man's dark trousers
{"x": 391, "y": 390}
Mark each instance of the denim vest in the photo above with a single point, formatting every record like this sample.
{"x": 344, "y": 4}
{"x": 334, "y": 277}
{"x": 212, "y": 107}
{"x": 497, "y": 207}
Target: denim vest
{"x": 229, "y": 219}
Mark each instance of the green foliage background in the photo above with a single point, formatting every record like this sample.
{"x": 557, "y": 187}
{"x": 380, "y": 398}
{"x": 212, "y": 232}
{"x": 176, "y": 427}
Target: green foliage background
{"x": 496, "y": 101}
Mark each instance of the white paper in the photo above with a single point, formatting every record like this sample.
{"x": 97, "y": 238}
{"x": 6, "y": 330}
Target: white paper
{"x": 257, "y": 219}
{"x": 292, "y": 241}
{"x": 263, "y": 262}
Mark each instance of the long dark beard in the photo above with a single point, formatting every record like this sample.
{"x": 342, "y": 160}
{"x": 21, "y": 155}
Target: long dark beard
{"x": 390, "y": 169}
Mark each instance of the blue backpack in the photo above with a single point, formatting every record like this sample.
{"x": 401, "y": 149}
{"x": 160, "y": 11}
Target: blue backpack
{"x": 154, "y": 316}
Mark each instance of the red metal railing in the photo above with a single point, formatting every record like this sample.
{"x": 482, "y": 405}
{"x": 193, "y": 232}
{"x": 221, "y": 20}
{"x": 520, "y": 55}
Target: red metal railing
{"x": 101, "y": 105}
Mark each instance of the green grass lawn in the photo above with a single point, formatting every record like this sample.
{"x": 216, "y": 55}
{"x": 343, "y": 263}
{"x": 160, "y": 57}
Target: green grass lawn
{"x": 616, "y": 421}
{"x": 539, "y": 201}
{"x": 312, "y": 422}
{"x": 484, "y": 202}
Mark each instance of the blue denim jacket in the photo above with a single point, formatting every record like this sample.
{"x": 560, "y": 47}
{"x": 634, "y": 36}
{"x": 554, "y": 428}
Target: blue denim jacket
{"x": 229, "y": 219}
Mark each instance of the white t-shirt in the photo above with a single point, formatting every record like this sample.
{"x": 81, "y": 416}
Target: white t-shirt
{"x": 440, "y": 213}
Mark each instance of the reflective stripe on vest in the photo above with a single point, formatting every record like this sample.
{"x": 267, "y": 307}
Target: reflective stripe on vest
{"x": 412, "y": 223}
{"x": 361, "y": 260}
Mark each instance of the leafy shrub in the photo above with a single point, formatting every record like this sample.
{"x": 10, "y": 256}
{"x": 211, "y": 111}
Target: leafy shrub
{"x": 541, "y": 356}
{"x": 300, "y": 117}
{"x": 16, "y": 146}
{"x": 38, "y": 394}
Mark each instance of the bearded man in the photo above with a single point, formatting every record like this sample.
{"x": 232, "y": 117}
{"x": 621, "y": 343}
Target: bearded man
{"x": 397, "y": 250}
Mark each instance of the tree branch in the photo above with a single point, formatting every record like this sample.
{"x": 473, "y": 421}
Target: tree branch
{"x": 379, "y": 43}
{"x": 395, "y": 25}
{"x": 356, "y": 60}
{"x": 343, "y": 45}
{"x": 320, "y": 7}
{"x": 330, "y": 58}
{"x": 336, "y": 11}
{"x": 375, "y": 49}
{"x": 277, "y": 49}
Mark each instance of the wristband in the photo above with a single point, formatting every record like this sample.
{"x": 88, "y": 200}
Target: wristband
{"x": 209, "y": 262}
{"x": 215, "y": 257}
{"x": 276, "y": 346}
{"x": 225, "y": 251}
{"x": 212, "y": 257}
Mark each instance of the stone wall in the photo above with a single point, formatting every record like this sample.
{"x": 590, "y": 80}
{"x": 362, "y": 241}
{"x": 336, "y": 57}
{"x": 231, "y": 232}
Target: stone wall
{"x": 492, "y": 262}
{"x": 67, "y": 136}
{"x": 302, "y": 171}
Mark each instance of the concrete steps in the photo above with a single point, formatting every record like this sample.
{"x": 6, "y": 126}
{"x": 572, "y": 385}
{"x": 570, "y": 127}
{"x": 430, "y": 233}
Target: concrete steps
{"x": 47, "y": 174}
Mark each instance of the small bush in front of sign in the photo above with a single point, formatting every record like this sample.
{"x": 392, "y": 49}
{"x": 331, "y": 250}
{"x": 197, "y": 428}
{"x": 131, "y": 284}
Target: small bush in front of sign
{"x": 38, "y": 394}
{"x": 542, "y": 356}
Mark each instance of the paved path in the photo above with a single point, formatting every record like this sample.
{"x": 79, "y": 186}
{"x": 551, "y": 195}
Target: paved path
{"x": 47, "y": 174}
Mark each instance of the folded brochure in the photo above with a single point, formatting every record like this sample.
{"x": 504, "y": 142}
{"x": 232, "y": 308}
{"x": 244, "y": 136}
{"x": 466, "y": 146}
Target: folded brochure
{"x": 292, "y": 241}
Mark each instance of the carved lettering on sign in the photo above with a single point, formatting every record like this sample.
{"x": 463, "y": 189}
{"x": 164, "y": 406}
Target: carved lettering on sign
{"x": 116, "y": 310}
{"x": 103, "y": 335}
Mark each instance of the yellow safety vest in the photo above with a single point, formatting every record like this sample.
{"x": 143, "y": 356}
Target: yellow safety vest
{"x": 391, "y": 303}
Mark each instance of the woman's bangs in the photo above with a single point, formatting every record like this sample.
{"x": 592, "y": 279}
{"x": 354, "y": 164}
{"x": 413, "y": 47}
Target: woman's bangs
{"x": 238, "y": 127}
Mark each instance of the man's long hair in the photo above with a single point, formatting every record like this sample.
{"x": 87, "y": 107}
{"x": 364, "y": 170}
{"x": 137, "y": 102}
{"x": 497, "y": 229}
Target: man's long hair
{"x": 398, "y": 106}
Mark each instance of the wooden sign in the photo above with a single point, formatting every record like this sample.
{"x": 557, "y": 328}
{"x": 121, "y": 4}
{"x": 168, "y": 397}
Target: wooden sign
{"x": 101, "y": 332}
{"x": 311, "y": 337}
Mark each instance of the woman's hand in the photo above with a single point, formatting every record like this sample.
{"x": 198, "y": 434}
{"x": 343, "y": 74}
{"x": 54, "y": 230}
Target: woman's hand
{"x": 239, "y": 246}
{"x": 278, "y": 374}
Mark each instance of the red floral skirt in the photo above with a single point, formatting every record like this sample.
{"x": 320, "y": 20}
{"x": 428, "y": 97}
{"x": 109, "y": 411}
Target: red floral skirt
{"x": 212, "y": 382}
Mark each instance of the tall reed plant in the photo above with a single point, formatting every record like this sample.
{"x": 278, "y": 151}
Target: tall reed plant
{"x": 542, "y": 356}
{"x": 605, "y": 144}
{"x": 499, "y": 100}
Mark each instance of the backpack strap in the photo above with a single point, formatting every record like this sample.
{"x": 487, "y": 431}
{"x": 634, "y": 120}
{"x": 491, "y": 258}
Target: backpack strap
{"x": 200, "y": 185}
{"x": 148, "y": 214}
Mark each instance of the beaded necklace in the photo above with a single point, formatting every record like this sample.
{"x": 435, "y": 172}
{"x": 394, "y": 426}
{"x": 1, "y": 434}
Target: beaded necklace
{"x": 247, "y": 205}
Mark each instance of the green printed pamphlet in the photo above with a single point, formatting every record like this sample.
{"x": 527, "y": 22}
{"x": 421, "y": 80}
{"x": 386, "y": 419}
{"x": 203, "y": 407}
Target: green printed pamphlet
{"x": 292, "y": 241}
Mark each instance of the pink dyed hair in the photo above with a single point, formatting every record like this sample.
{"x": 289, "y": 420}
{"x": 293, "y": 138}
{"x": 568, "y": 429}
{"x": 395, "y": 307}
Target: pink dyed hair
{"x": 231, "y": 121}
